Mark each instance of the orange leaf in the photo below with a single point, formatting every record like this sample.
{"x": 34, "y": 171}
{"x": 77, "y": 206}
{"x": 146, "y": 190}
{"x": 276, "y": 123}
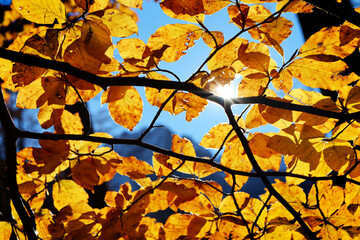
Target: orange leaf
{"x": 125, "y": 105}
{"x": 183, "y": 225}
{"x": 209, "y": 38}
{"x": 66, "y": 192}
{"x": 120, "y": 24}
{"x": 228, "y": 56}
{"x": 132, "y": 3}
{"x": 216, "y": 135}
{"x": 42, "y": 12}
{"x": 316, "y": 74}
{"x": 177, "y": 38}
{"x": 134, "y": 168}
{"x": 191, "y": 10}
{"x": 5, "y": 230}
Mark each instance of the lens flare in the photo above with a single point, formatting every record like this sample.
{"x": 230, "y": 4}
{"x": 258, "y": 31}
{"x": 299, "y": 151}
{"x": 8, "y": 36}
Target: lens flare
{"x": 226, "y": 91}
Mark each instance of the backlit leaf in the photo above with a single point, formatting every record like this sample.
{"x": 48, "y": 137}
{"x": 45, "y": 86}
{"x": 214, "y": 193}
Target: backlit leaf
{"x": 189, "y": 102}
{"x": 316, "y": 74}
{"x": 209, "y": 38}
{"x": 120, "y": 24}
{"x": 183, "y": 225}
{"x": 66, "y": 192}
{"x": 328, "y": 43}
{"x": 134, "y": 168}
{"x": 192, "y": 10}
{"x": 131, "y": 3}
{"x": 295, "y": 6}
{"x": 228, "y": 56}
{"x": 215, "y": 137}
{"x": 42, "y": 12}
{"x": 175, "y": 38}
{"x": 5, "y": 230}
{"x": 125, "y": 105}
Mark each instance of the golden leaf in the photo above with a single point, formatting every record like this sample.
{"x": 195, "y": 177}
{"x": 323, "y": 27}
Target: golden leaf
{"x": 132, "y": 3}
{"x": 177, "y": 225}
{"x": 6, "y": 230}
{"x": 329, "y": 43}
{"x": 125, "y": 105}
{"x": 228, "y": 56}
{"x": 191, "y": 11}
{"x": 66, "y": 192}
{"x": 41, "y": 12}
{"x": 215, "y": 137}
{"x": 209, "y": 38}
{"x": 134, "y": 168}
{"x": 316, "y": 74}
{"x": 120, "y": 24}
{"x": 175, "y": 38}
{"x": 296, "y": 6}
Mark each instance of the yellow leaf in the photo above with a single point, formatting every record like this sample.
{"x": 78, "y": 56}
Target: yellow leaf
{"x": 132, "y": 3}
{"x": 120, "y": 24}
{"x": 41, "y": 12}
{"x": 296, "y": 6}
{"x": 337, "y": 153}
{"x": 283, "y": 81}
{"x": 6, "y": 230}
{"x": 5, "y": 73}
{"x": 253, "y": 85}
{"x": 68, "y": 123}
{"x": 125, "y": 105}
{"x": 93, "y": 6}
{"x": 254, "y": 119}
{"x": 183, "y": 225}
{"x": 134, "y": 168}
{"x": 316, "y": 74}
{"x": 257, "y": 57}
{"x": 228, "y": 205}
{"x": 228, "y": 56}
{"x": 274, "y": 33}
{"x": 329, "y": 42}
{"x": 215, "y": 137}
{"x": 191, "y": 11}
{"x": 209, "y": 38}
{"x": 235, "y": 158}
{"x": 189, "y": 102}
{"x": 175, "y": 39}
{"x": 66, "y": 192}
{"x": 49, "y": 89}
{"x": 156, "y": 97}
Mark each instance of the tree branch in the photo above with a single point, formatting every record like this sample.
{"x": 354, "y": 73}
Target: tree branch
{"x": 263, "y": 177}
{"x": 105, "y": 82}
{"x": 11, "y": 135}
{"x": 342, "y": 11}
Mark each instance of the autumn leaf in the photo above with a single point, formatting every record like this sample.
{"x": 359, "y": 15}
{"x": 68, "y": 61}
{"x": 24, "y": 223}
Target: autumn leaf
{"x": 41, "y": 12}
{"x": 131, "y": 3}
{"x": 66, "y": 192}
{"x": 178, "y": 225}
{"x": 125, "y": 105}
{"x": 213, "y": 39}
{"x": 328, "y": 44}
{"x": 296, "y": 6}
{"x": 175, "y": 38}
{"x": 120, "y": 24}
{"x": 316, "y": 74}
{"x": 228, "y": 56}
{"x": 191, "y": 10}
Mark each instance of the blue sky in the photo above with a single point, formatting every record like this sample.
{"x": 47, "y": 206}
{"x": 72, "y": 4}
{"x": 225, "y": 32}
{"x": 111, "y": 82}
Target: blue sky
{"x": 150, "y": 19}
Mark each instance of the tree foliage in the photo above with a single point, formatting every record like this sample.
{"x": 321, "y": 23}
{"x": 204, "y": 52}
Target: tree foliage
{"x": 65, "y": 54}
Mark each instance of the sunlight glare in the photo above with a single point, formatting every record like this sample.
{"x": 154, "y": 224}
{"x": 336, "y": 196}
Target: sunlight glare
{"x": 226, "y": 91}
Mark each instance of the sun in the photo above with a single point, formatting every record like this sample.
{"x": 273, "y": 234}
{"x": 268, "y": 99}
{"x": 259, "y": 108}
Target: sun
{"x": 226, "y": 91}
